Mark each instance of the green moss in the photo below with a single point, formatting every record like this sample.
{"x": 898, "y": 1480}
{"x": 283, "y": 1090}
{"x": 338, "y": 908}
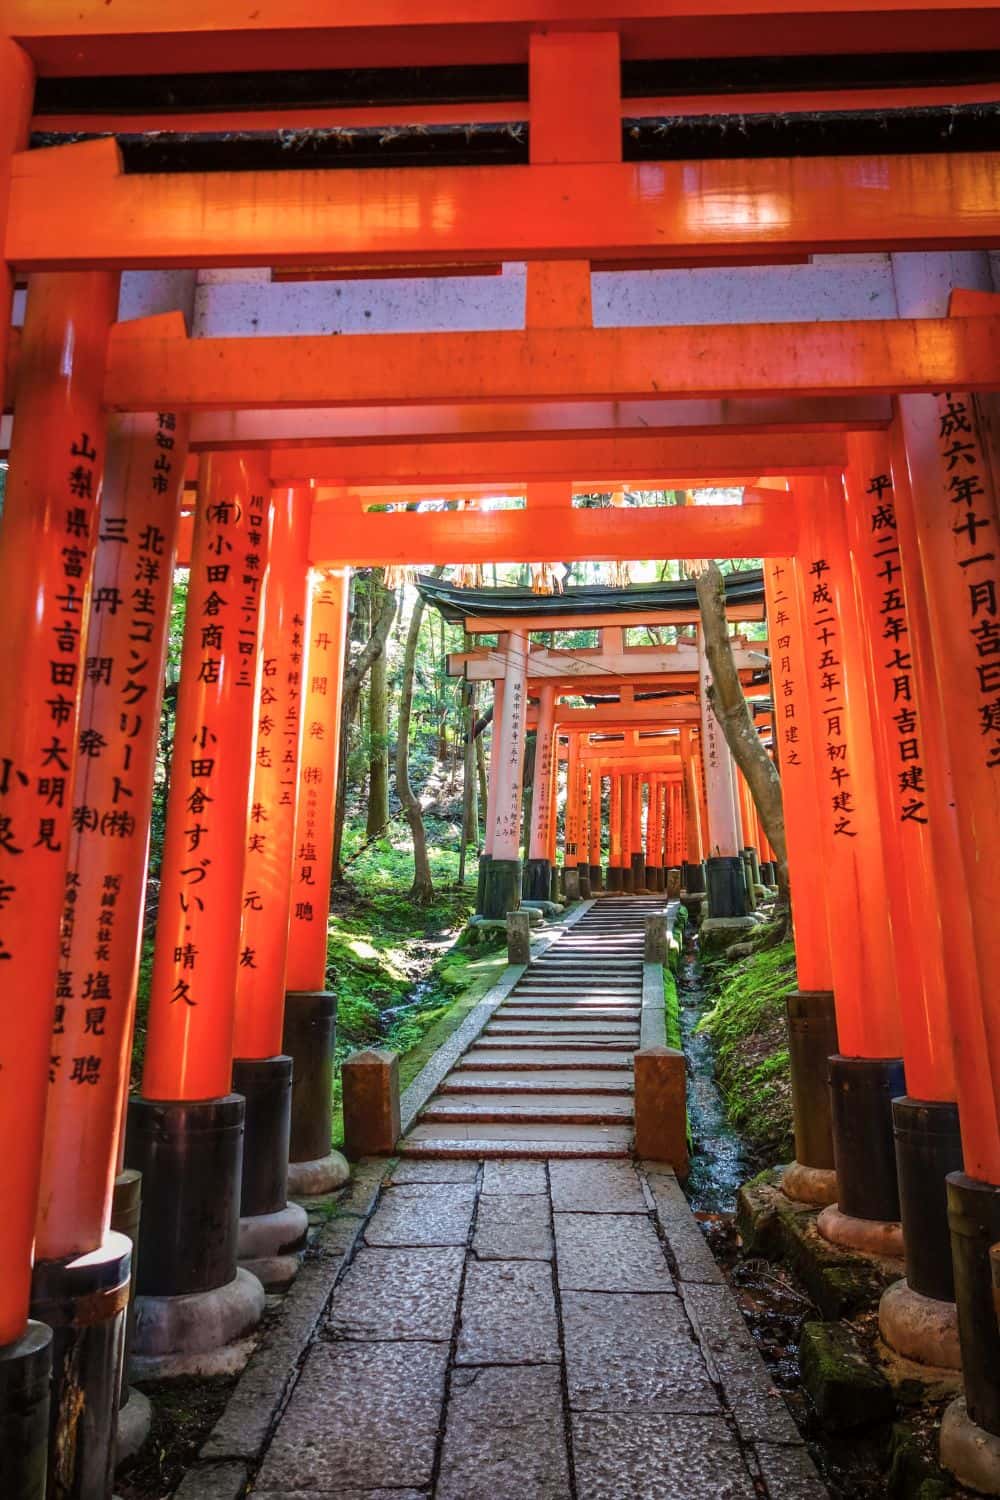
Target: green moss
{"x": 748, "y": 1026}
{"x": 672, "y": 1006}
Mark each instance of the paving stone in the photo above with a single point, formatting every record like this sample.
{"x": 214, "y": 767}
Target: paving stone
{"x": 633, "y": 1352}
{"x": 505, "y": 1436}
{"x": 518, "y": 1177}
{"x": 362, "y": 1415}
{"x": 418, "y": 1214}
{"x": 609, "y": 1253}
{"x": 434, "y": 1171}
{"x": 508, "y": 1314}
{"x": 789, "y": 1472}
{"x": 643, "y": 1457}
{"x": 513, "y": 1228}
{"x": 398, "y": 1294}
{"x": 695, "y": 1261}
{"x": 728, "y": 1345}
{"x": 596, "y": 1188}
{"x": 341, "y": 1494}
{"x": 214, "y": 1482}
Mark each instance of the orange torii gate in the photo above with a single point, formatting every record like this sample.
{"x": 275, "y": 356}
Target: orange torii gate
{"x": 71, "y": 219}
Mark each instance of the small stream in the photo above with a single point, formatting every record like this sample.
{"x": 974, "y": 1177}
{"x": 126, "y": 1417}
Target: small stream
{"x": 718, "y": 1160}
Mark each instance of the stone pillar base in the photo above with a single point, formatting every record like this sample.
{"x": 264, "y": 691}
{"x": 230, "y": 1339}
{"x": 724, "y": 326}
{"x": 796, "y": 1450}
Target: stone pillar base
{"x": 583, "y": 872}
{"x": 271, "y": 1245}
{"x": 879, "y": 1237}
{"x": 628, "y": 880}
{"x": 638, "y": 874}
{"x": 135, "y": 1419}
{"x": 571, "y": 882}
{"x": 971, "y": 1453}
{"x": 809, "y": 1184}
{"x": 920, "y": 1328}
{"x": 309, "y": 1179}
{"x": 596, "y": 879}
{"x": 25, "y": 1372}
{"x": 613, "y": 882}
{"x": 205, "y": 1333}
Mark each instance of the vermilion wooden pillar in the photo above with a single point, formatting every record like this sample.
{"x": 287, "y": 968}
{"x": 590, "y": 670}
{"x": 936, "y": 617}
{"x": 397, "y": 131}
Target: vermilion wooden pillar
{"x": 76, "y": 1258}
{"x": 492, "y": 774}
{"x": 583, "y": 826}
{"x": 693, "y": 872}
{"x": 952, "y": 499}
{"x": 538, "y": 873}
{"x": 615, "y": 860}
{"x": 638, "y": 838}
{"x": 812, "y": 1023}
{"x": 17, "y": 90}
{"x": 271, "y": 1229}
{"x": 503, "y": 876}
{"x": 928, "y": 1144}
{"x": 628, "y": 801}
{"x": 310, "y": 1003}
{"x": 596, "y": 868}
{"x": 724, "y": 869}
{"x": 185, "y": 1133}
{"x": 48, "y": 534}
{"x": 868, "y": 1071}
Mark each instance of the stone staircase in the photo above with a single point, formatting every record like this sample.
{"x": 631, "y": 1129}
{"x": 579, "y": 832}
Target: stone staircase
{"x": 551, "y": 1074}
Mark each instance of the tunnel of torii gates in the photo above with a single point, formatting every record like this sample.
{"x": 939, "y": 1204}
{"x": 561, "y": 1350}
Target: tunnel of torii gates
{"x": 820, "y": 331}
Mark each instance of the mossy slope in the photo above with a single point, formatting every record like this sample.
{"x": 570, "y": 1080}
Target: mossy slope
{"x": 748, "y": 1028}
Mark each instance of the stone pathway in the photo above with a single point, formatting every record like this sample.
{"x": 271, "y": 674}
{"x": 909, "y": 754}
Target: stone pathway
{"x": 551, "y": 1074}
{"x": 529, "y": 1315}
{"x": 534, "y": 1330}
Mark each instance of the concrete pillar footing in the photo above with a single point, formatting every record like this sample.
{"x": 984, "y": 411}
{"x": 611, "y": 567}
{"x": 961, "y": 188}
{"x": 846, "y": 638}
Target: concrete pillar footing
{"x": 920, "y": 1328}
{"x": 880, "y": 1237}
{"x": 270, "y": 1245}
{"x": 135, "y": 1419}
{"x": 970, "y": 1452}
{"x": 308, "y": 1179}
{"x": 198, "y": 1333}
{"x": 809, "y": 1184}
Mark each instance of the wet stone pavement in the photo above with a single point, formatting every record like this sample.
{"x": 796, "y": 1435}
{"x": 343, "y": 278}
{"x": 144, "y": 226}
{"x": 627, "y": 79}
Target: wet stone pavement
{"x": 534, "y": 1330}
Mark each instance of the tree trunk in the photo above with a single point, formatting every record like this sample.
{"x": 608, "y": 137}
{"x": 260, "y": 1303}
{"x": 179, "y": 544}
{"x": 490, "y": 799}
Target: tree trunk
{"x": 378, "y": 740}
{"x": 731, "y": 710}
{"x": 354, "y": 676}
{"x": 481, "y": 782}
{"x": 422, "y": 889}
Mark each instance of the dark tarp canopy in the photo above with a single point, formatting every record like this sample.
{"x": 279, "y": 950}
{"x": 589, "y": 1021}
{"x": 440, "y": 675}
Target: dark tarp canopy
{"x": 457, "y": 604}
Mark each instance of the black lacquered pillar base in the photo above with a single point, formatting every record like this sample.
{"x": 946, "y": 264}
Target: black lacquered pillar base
{"x": 861, "y": 1093}
{"x": 613, "y": 883}
{"x": 194, "y": 1300}
{"x": 84, "y": 1300}
{"x": 596, "y": 879}
{"x": 481, "y": 874}
{"x": 502, "y": 892}
{"x": 726, "y": 886}
{"x": 638, "y": 873}
{"x": 928, "y": 1151}
{"x": 537, "y": 880}
{"x": 812, "y": 1040}
{"x": 974, "y": 1220}
{"x": 25, "y": 1377}
{"x": 272, "y": 1230}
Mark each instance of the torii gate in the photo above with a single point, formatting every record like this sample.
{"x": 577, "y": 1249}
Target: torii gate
{"x": 71, "y": 219}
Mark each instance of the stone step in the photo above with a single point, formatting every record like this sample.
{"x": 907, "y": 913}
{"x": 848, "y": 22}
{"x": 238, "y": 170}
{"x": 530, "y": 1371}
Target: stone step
{"x": 488, "y": 1148}
{"x": 521, "y": 1139}
{"x": 560, "y": 1042}
{"x": 564, "y": 1109}
{"x": 583, "y": 1028}
{"x": 583, "y": 1080}
{"x": 568, "y": 1013}
{"x": 527, "y": 1060}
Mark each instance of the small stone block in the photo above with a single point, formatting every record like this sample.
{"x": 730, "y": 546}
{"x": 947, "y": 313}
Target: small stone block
{"x": 656, "y": 936}
{"x": 518, "y": 937}
{"x": 661, "y": 1107}
{"x": 370, "y": 1082}
{"x": 846, "y": 1390}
